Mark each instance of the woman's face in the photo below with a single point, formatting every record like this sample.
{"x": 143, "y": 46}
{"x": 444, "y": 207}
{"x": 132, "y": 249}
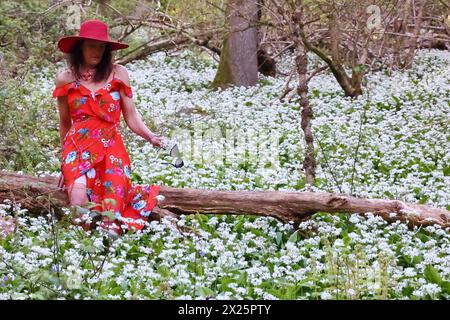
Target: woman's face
{"x": 93, "y": 51}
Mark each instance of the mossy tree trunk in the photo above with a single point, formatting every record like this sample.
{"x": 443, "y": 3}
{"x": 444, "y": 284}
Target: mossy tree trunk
{"x": 238, "y": 59}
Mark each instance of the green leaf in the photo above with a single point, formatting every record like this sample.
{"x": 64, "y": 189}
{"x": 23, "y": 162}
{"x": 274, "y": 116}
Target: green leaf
{"x": 423, "y": 237}
{"x": 110, "y": 200}
{"x": 87, "y": 245}
{"x": 417, "y": 259}
{"x": 432, "y": 275}
{"x": 258, "y": 233}
{"x": 136, "y": 177}
{"x": 243, "y": 278}
{"x": 164, "y": 271}
{"x": 445, "y": 285}
{"x": 360, "y": 68}
{"x": 90, "y": 205}
{"x": 224, "y": 282}
{"x": 347, "y": 240}
{"x": 109, "y": 214}
{"x": 238, "y": 227}
{"x": 293, "y": 237}
{"x": 407, "y": 291}
{"x": 279, "y": 238}
{"x": 37, "y": 296}
{"x": 205, "y": 291}
{"x": 424, "y": 199}
{"x": 446, "y": 171}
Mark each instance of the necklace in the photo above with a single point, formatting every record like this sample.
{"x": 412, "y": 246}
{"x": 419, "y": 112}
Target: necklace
{"x": 88, "y": 74}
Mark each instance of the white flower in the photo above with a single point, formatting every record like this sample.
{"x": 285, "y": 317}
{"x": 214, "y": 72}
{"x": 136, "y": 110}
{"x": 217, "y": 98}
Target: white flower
{"x": 74, "y": 280}
{"x": 325, "y": 295}
{"x": 339, "y": 243}
{"x": 410, "y": 272}
{"x": 43, "y": 251}
{"x": 418, "y": 293}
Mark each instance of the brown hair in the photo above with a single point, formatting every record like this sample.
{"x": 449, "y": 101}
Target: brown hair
{"x": 102, "y": 69}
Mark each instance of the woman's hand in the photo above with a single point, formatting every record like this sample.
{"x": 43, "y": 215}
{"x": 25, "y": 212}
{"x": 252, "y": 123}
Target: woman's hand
{"x": 156, "y": 141}
{"x": 61, "y": 182}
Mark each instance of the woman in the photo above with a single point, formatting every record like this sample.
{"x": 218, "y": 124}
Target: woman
{"x": 95, "y": 165}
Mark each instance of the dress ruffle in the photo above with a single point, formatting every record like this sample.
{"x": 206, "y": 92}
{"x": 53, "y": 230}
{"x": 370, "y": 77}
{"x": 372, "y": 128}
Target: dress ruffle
{"x": 64, "y": 89}
{"x": 127, "y": 89}
{"x": 140, "y": 202}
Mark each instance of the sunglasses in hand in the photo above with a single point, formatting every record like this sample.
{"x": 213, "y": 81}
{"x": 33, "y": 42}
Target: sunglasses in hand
{"x": 172, "y": 147}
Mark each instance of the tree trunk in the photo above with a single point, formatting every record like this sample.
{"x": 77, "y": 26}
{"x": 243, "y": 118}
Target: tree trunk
{"x": 266, "y": 64}
{"x": 38, "y": 194}
{"x": 309, "y": 163}
{"x": 413, "y": 41}
{"x": 238, "y": 59}
{"x": 401, "y": 27}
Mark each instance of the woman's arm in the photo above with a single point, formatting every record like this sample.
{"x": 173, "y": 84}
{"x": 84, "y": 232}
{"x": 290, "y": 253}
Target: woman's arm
{"x": 65, "y": 121}
{"x": 132, "y": 117}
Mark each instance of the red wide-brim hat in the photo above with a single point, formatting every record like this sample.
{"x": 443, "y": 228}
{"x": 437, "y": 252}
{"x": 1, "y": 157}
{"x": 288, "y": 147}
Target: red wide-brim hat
{"x": 90, "y": 29}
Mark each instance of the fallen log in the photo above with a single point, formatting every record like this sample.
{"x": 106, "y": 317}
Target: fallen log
{"x": 38, "y": 194}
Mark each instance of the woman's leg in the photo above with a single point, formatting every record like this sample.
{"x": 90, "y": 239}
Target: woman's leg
{"x": 79, "y": 196}
{"x": 77, "y": 191}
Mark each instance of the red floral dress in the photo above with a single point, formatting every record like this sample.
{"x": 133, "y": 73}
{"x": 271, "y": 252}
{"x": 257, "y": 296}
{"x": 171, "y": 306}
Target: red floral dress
{"x": 93, "y": 146}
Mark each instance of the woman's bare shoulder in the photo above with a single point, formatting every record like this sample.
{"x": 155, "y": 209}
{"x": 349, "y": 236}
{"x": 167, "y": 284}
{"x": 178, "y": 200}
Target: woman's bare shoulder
{"x": 64, "y": 77}
{"x": 119, "y": 67}
{"x": 122, "y": 73}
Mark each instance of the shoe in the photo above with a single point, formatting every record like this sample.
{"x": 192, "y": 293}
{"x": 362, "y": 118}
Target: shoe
{"x": 84, "y": 214}
{"x": 111, "y": 227}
